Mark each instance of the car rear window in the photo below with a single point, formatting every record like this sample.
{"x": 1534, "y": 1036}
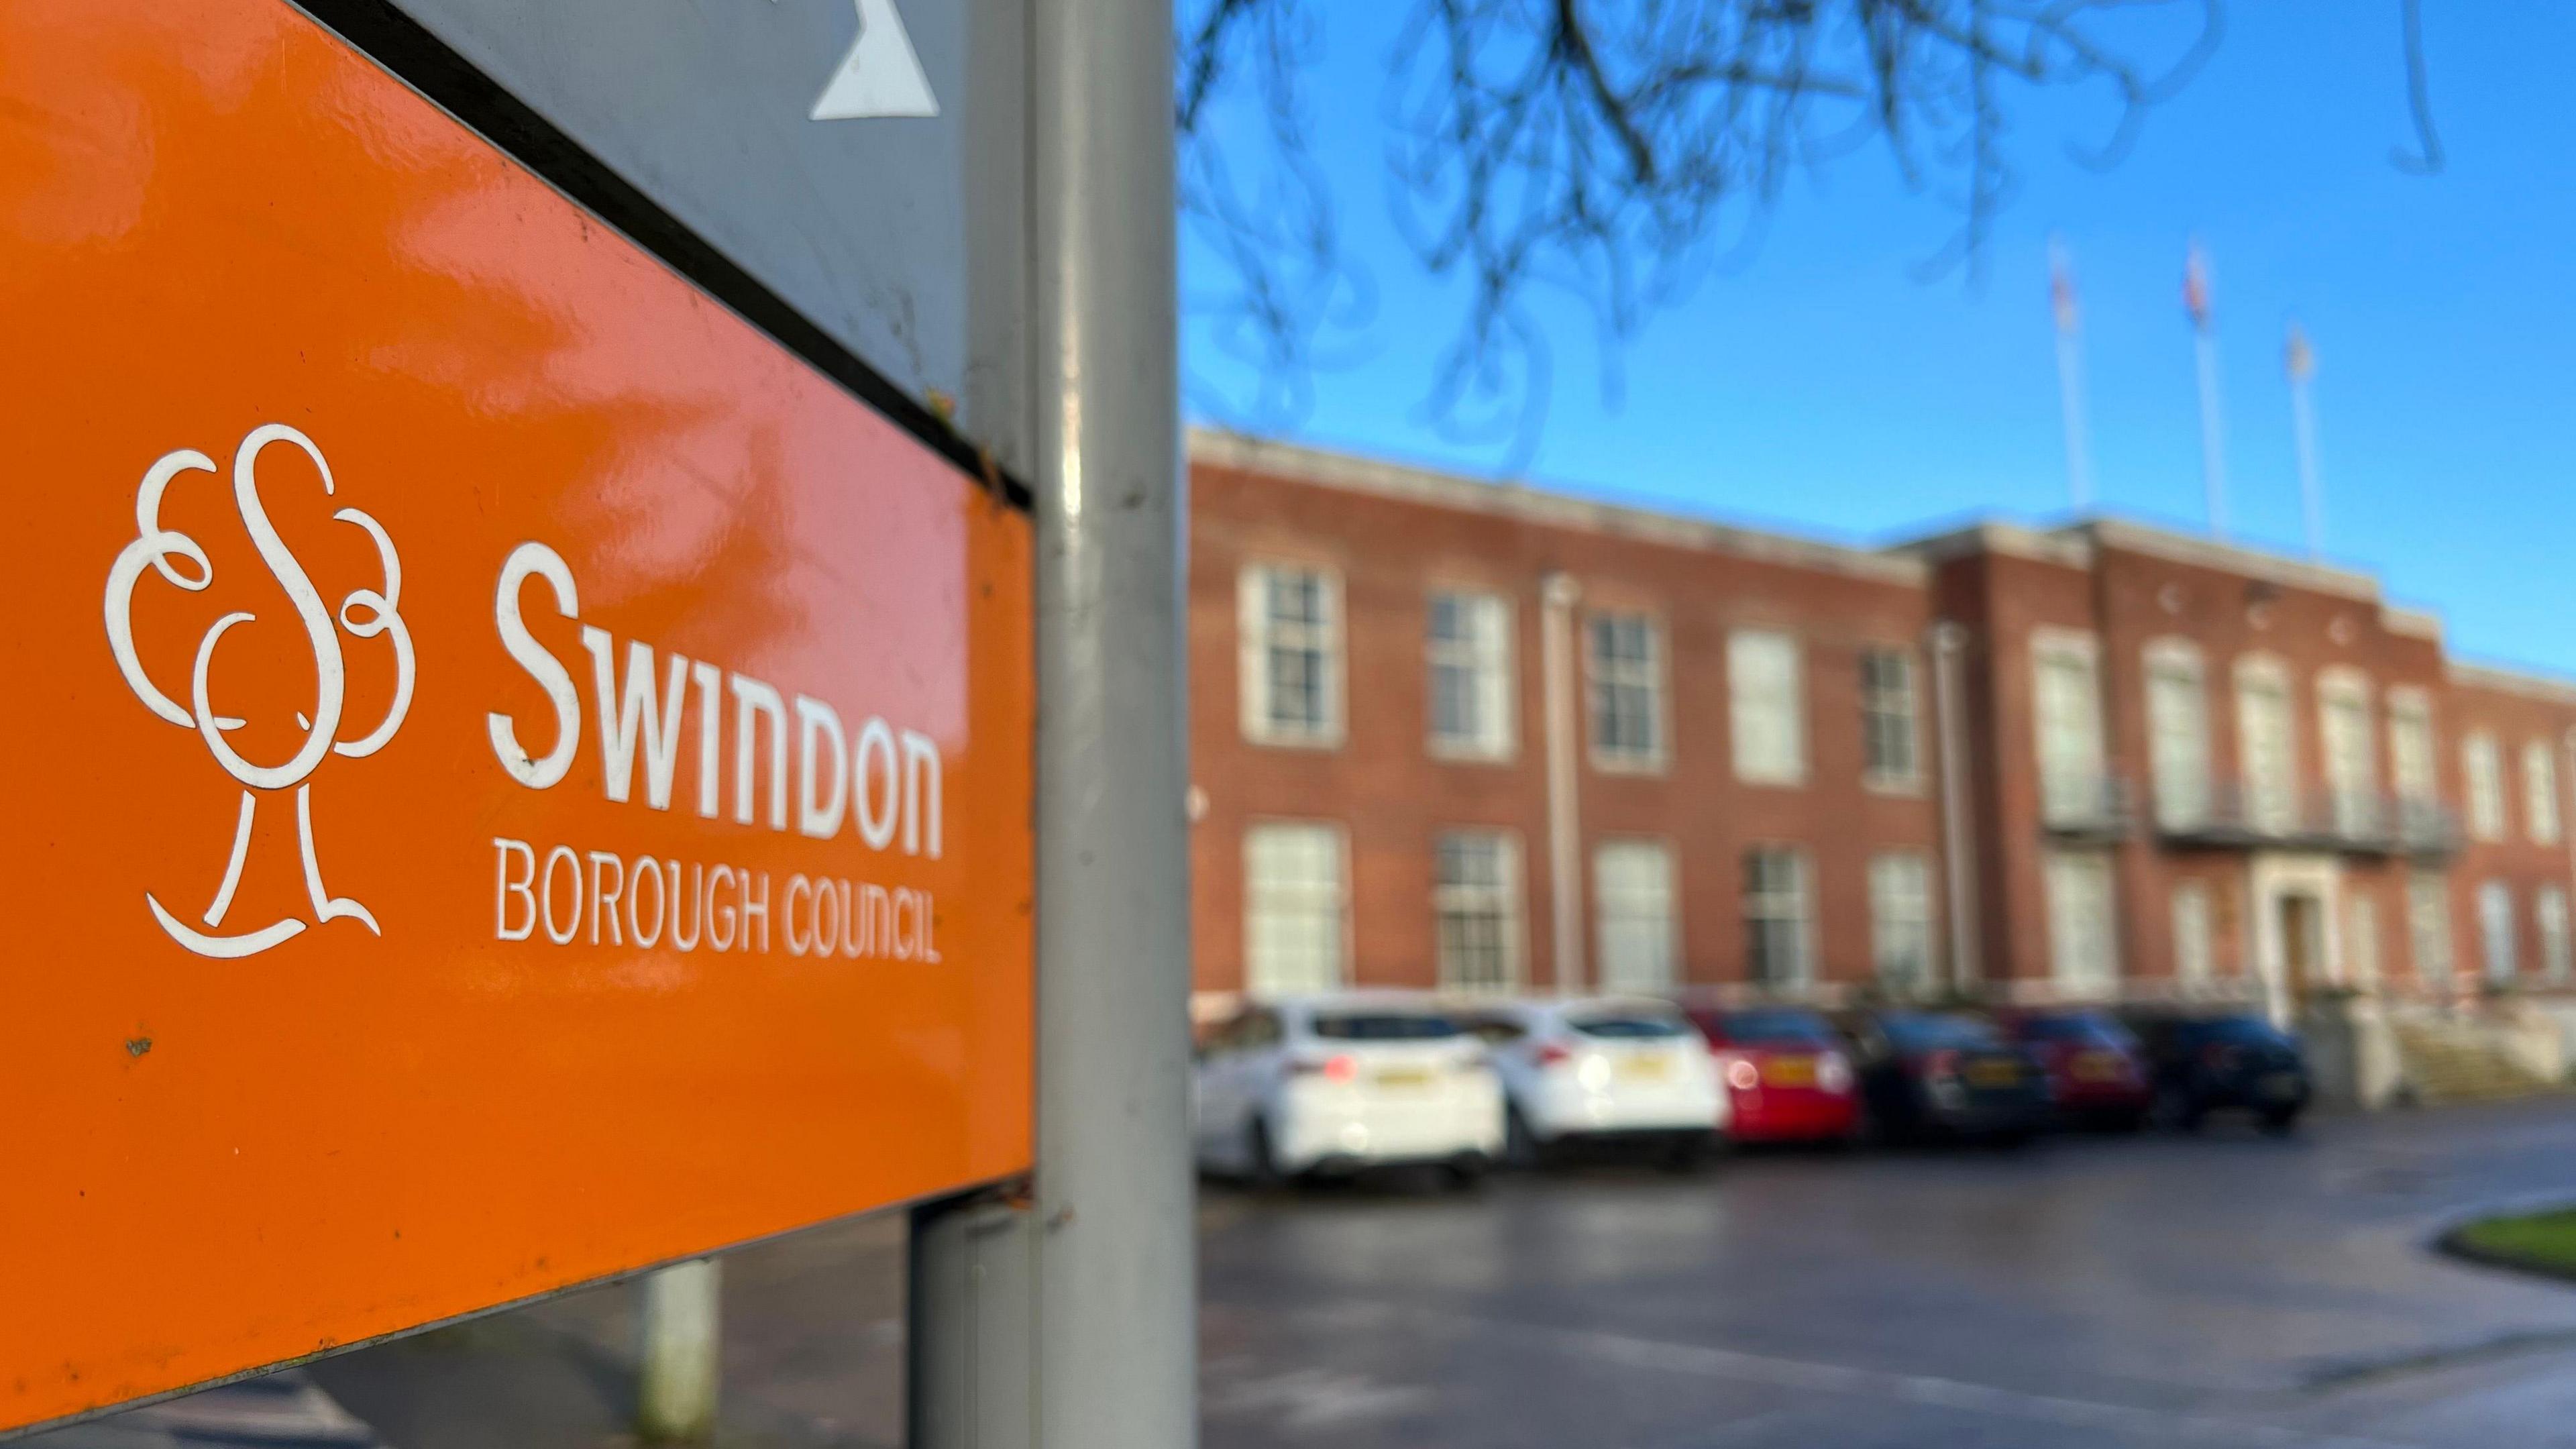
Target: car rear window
{"x": 1384, "y": 1026}
{"x": 2239, "y": 1031}
{"x": 2082, "y": 1030}
{"x": 1627, "y": 1027}
{"x": 1933, "y": 1033}
{"x": 1780, "y": 1028}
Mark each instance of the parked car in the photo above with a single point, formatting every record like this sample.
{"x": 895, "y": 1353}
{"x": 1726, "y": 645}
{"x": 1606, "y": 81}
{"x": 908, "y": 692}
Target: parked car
{"x": 1603, "y": 1072}
{"x": 1333, "y": 1084}
{"x": 2096, "y": 1069}
{"x": 1944, "y": 1074}
{"x": 2205, "y": 1062}
{"x": 1787, "y": 1076}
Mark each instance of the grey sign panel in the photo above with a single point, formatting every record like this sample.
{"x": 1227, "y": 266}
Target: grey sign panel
{"x": 791, "y": 136}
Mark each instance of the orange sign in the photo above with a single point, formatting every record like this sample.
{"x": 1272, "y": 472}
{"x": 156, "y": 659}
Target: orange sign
{"x": 511, "y": 776}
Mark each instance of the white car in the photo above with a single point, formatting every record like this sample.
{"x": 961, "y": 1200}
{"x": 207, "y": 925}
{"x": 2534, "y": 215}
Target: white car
{"x": 1336, "y": 1083}
{"x": 1604, "y": 1070}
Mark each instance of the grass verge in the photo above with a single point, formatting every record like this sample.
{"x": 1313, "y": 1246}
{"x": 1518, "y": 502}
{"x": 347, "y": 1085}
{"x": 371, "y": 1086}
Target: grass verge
{"x": 2542, "y": 1242}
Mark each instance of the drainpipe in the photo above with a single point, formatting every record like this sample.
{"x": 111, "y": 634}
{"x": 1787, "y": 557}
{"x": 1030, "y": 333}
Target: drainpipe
{"x": 1557, "y": 596}
{"x": 1949, "y": 641}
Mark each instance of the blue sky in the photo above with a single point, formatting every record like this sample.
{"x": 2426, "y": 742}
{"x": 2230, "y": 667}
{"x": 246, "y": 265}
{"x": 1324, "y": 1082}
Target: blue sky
{"x": 1823, "y": 388}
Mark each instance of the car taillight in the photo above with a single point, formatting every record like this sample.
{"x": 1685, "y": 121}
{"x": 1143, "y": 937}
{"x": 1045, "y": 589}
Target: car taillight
{"x": 1742, "y": 1075}
{"x": 1341, "y": 1068}
{"x": 1833, "y": 1073}
{"x": 1555, "y": 1053}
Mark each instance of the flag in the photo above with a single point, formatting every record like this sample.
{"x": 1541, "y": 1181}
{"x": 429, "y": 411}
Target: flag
{"x": 2297, "y": 357}
{"x": 2061, "y": 289}
{"x": 2195, "y": 287}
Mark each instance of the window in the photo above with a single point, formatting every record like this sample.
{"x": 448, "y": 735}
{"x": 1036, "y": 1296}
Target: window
{"x": 1627, "y": 672}
{"x": 1632, "y": 900}
{"x": 1470, "y": 650}
{"x": 1476, "y": 907}
{"x": 2343, "y": 719}
{"x": 2266, "y": 746}
{"x": 2495, "y": 930}
{"x": 2178, "y": 732}
{"x": 1776, "y": 932}
{"x": 2549, "y": 912}
{"x": 1900, "y": 920}
{"x": 2070, "y": 728}
{"x": 2410, "y": 756}
{"x": 1891, "y": 755}
{"x": 1293, "y": 928}
{"x": 1763, "y": 707}
{"x": 1289, "y": 619}
{"x": 2361, "y": 943}
{"x": 2084, "y": 957}
{"x": 2428, "y": 926}
{"x": 2540, "y": 792}
{"x": 2193, "y": 966}
{"x": 2485, "y": 772}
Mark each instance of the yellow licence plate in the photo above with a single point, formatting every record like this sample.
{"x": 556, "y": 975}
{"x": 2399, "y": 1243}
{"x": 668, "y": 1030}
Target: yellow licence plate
{"x": 1790, "y": 1071}
{"x": 1404, "y": 1077}
{"x": 1994, "y": 1074}
{"x": 1645, "y": 1069}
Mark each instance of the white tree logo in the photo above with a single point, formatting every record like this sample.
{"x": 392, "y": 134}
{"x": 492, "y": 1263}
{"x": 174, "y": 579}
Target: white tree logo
{"x": 365, "y": 614}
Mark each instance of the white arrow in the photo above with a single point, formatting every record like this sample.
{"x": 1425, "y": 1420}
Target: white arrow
{"x": 880, "y": 76}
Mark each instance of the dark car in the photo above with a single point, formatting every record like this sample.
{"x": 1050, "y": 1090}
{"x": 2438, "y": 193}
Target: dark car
{"x": 2205, "y": 1063}
{"x": 2097, "y": 1069}
{"x": 1944, "y": 1074}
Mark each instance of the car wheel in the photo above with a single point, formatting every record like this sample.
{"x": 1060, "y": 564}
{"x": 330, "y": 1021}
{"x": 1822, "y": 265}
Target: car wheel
{"x": 2174, "y": 1109}
{"x": 1685, "y": 1154}
{"x": 1521, "y": 1147}
{"x": 1463, "y": 1174}
{"x": 2279, "y": 1121}
{"x": 1261, "y": 1160}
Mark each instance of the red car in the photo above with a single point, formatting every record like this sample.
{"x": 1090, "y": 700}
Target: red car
{"x": 1787, "y": 1077}
{"x": 2097, "y": 1071}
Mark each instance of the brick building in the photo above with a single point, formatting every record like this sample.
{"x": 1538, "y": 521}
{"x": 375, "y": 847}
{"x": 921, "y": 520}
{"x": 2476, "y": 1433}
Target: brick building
{"x": 1458, "y": 734}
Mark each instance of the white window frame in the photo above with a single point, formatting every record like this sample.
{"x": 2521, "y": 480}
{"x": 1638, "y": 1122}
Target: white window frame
{"x": 1600, "y": 676}
{"x": 1255, "y": 913}
{"x": 2072, "y": 752}
{"x": 1760, "y": 906}
{"x": 1760, "y": 708}
{"x": 2482, "y": 775}
{"x": 2075, "y": 971}
{"x": 1503, "y": 898}
{"x": 2540, "y": 815}
{"x": 2414, "y": 752}
{"x": 2195, "y": 963}
{"x": 1902, "y": 706}
{"x": 2271, "y": 803}
{"x": 1486, "y": 658}
{"x": 2178, "y": 739}
{"x": 2549, "y": 915}
{"x": 2496, "y": 945}
{"x": 1638, "y": 913}
{"x": 2428, "y": 929}
{"x": 2352, "y": 774}
{"x": 1255, "y": 636}
{"x": 1901, "y": 920}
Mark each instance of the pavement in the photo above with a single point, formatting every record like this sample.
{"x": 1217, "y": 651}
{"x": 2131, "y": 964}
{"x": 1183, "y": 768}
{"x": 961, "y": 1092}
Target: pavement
{"x": 2225, "y": 1289}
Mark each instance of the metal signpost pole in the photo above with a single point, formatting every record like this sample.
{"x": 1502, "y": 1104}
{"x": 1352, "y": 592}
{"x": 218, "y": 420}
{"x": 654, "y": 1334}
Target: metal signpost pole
{"x": 1116, "y": 1338}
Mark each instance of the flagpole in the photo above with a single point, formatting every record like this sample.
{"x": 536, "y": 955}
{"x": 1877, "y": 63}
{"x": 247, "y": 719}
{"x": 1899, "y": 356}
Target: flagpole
{"x": 2213, "y": 455}
{"x": 2070, "y": 376}
{"x": 2301, "y": 363}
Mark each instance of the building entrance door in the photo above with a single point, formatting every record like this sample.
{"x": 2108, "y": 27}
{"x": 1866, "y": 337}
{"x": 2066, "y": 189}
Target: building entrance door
{"x": 2302, "y": 949}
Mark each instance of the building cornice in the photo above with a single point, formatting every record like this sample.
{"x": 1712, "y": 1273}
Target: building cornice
{"x": 2515, "y": 682}
{"x": 2228, "y": 558}
{"x": 1531, "y": 505}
